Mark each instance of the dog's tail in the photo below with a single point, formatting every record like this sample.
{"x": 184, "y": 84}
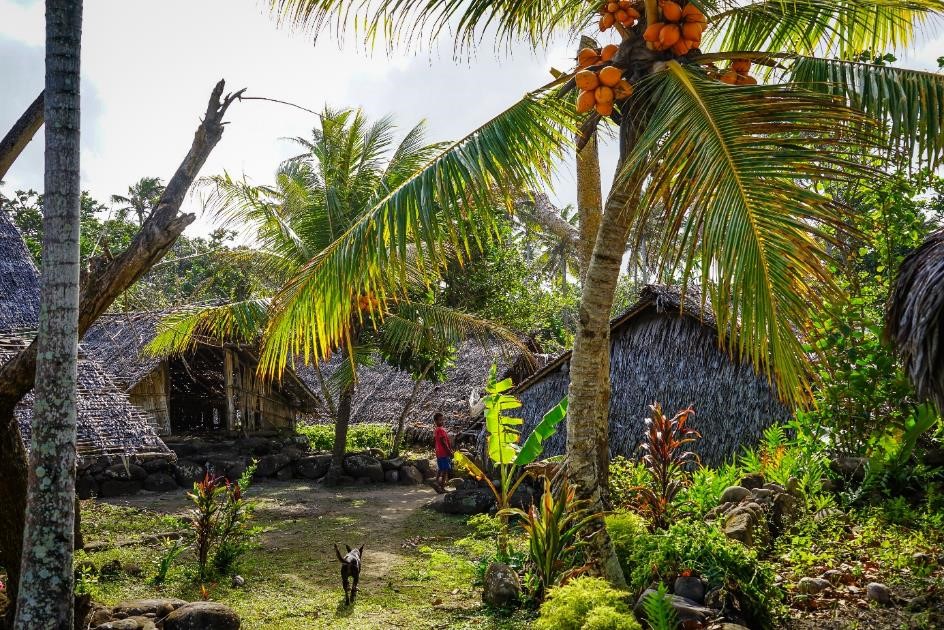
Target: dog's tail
{"x": 337, "y": 552}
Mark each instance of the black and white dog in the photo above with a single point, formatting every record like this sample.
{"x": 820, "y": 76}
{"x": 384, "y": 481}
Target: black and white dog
{"x": 350, "y": 570}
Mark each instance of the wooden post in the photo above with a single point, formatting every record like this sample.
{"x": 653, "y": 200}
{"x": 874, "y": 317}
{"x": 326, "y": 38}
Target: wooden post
{"x": 228, "y": 382}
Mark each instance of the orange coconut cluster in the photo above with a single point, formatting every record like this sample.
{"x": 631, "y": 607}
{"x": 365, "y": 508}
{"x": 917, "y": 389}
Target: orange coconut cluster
{"x": 737, "y": 73}
{"x": 592, "y": 56}
{"x": 601, "y": 89}
{"x": 621, "y": 12}
{"x": 681, "y": 29}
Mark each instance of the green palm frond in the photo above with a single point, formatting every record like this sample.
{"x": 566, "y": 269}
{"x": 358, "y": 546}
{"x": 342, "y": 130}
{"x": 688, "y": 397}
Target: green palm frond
{"x": 421, "y": 327}
{"x": 447, "y": 201}
{"x": 732, "y": 169}
{"x": 237, "y": 322}
{"x": 911, "y": 102}
{"x": 409, "y": 22}
{"x": 818, "y": 27}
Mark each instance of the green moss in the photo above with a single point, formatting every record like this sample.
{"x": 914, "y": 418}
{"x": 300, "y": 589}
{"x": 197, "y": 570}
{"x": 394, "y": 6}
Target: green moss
{"x": 569, "y": 607}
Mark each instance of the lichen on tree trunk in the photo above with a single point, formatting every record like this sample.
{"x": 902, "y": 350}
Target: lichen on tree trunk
{"x": 45, "y": 597}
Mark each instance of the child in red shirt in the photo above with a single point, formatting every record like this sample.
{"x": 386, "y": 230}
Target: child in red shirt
{"x": 443, "y": 450}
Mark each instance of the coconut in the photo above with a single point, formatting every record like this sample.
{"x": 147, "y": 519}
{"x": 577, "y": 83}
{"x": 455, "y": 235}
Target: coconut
{"x": 607, "y": 21}
{"x": 745, "y": 79}
{"x": 669, "y": 34}
{"x": 587, "y": 57}
{"x": 681, "y": 47}
{"x": 604, "y": 94}
{"x": 585, "y": 102}
{"x": 610, "y": 76}
{"x": 741, "y": 66}
{"x": 621, "y": 16}
{"x": 729, "y": 76}
{"x": 612, "y": 7}
{"x": 586, "y": 80}
{"x": 671, "y": 11}
{"x": 609, "y": 51}
{"x": 623, "y": 90}
{"x": 691, "y": 13}
{"x": 692, "y": 31}
{"x": 625, "y": 4}
{"x": 605, "y": 109}
{"x": 652, "y": 32}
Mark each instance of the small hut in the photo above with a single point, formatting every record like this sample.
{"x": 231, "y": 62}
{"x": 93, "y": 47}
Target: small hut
{"x": 109, "y": 425}
{"x": 213, "y": 387}
{"x": 665, "y": 348}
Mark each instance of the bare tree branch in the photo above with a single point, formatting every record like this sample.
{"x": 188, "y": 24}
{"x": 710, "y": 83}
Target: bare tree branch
{"x": 20, "y": 134}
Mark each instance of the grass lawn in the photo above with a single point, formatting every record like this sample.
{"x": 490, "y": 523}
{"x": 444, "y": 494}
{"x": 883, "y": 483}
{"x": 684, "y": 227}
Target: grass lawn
{"x": 419, "y": 569}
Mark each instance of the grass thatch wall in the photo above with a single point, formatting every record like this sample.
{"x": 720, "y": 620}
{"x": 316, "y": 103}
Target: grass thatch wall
{"x": 660, "y": 354}
{"x": 19, "y": 281}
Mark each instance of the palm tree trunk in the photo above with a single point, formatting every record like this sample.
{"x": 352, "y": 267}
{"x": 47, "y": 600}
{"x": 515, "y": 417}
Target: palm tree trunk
{"x": 45, "y": 597}
{"x": 589, "y": 392}
{"x": 589, "y": 201}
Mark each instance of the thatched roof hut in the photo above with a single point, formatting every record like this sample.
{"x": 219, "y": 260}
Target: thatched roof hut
{"x": 108, "y": 424}
{"x": 212, "y": 387}
{"x": 665, "y": 348}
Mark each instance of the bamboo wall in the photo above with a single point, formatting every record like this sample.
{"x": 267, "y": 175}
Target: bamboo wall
{"x": 151, "y": 395}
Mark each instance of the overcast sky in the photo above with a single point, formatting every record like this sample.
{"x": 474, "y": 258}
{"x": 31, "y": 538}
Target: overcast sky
{"x": 148, "y": 67}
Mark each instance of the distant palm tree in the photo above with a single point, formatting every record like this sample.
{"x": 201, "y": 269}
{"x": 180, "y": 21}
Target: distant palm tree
{"x": 732, "y": 171}
{"x": 318, "y": 196}
{"x": 142, "y": 197}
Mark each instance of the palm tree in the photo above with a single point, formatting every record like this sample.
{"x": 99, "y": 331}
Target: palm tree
{"x": 143, "y": 195}
{"x": 45, "y": 597}
{"x": 343, "y": 170}
{"x": 733, "y": 172}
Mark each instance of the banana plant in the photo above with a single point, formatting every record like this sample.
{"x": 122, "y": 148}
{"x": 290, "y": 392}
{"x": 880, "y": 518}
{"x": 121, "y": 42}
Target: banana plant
{"x": 501, "y": 446}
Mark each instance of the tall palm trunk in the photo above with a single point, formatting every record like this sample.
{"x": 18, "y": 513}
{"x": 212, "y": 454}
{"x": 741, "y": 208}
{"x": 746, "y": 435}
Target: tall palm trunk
{"x": 589, "y": 201}
{"x": 45, "y": 598}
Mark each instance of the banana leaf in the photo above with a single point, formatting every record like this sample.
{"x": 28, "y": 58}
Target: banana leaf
{"x": 534, "y": 445}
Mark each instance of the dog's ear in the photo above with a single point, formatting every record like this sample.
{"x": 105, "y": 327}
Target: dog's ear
{"x": 348, "y": 547}
{"x": 360, "y": 551}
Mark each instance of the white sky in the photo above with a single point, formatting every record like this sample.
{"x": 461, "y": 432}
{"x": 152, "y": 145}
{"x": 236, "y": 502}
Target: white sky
{"x": 148, "y": 68}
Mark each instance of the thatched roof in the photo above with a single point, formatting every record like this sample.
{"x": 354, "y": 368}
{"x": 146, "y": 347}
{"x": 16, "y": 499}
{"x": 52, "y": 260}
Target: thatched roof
{"x": 915, "y": 318}
{"x": 19, "y": 281}
{"x": 108, "y": 424}
{"x": 118, "y": 342}
{"x": 665, "y": 348}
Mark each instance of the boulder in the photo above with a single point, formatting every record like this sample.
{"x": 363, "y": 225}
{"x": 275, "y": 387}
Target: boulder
{"x": 128, "y": 623}
{"x": 294, "y": 453}
{"x": 878, "y": 592}
{"x": 391, "y": 476}
{"x": 392, "y": 464}
{"x": 160, "y": 482}
{"x": 813, "y": 586}
{"x": 740, "y": 527}
{"x": 161, "y": 607}
{"x": 270, "y": 464}
{"x": 362, "y": 465}
{"x": 202, "y": 616}
{"x": 751, "y": 481}
{"x": 86, "y": 487}
{"x": 501, "y": 586}
{"x": 124, "y": 472}
{"x": 688, "y": 612}
{"x": 467, "y": 501}
{"x": 426, "y": 467}
{"x": 456, "y": 483}
{"x": 187, "y": 472}
{"x": 849, "y": 467}
{"x": 285, "y": 473}
{"x": 259, "y": 446}
{"x": 158, "y": 464}
{"x": 410, "y": 475}
{"x": 300, "y": 442}
{"x": 690, "y": 587}
{"x": 734, "y": 494}
{"x": 312, "y": 466}
{"x": 117, "y": 487}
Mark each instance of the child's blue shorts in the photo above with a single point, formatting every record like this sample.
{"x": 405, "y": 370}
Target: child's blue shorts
{"x": 444, "y": 463}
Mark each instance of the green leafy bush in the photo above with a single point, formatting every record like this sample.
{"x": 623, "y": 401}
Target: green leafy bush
{"x": 483, "y": 526}
{"x": 705, "y": 487}
{"x": 625, "y": 476}
{"x": 608, "y": 618}
{"x": 704, "y": 550}
{"x": 624, "y": 527}
{"x": 569, "y": 607}
{"x": 360, "y": 437}
{"x": 660, "y": 615}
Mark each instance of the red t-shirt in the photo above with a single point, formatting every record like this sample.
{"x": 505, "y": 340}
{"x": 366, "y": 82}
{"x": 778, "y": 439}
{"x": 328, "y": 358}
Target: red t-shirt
{"x": 441, "y": 442}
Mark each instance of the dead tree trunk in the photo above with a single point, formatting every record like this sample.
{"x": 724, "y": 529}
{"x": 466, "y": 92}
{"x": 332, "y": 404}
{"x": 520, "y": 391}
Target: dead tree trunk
{"x": 99, "y": 291}
{"x": 20, "y": 134}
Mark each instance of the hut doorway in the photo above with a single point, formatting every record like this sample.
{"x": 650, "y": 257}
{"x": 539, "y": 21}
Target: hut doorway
{"x": 197, "y": 392}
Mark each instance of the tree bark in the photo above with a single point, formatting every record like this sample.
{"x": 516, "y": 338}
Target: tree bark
{"x": 45, "y": 597}
{"x": 589, "y": 202}
{"x": 20, "y": 134}
{"x": 100, "y": 290}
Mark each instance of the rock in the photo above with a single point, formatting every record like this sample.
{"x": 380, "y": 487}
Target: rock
{"x": 362, "y": 465}
{"x": 762, "y": 495}
{"x": 774, "y": 487}
{"x": 740, "y": 527}
{"x": 99, "y": 616}
{"x": 128, "y": 623}
{"x": 934, "y": 457}
{"x": 285, "y": 473}
{"x": 717, "y": 598}
{"x": 86, "y": 487}
{"x": 187, "y": 472}
{"x": 300, "y": 442}
{"x": 834, "y": 576}
{"x": 270, "y": 464}
{"x": 124, "y": 472}
{"x": 117, "y": 487}
{"x": 754, "y": 480}
{"x": 312, "y": 466}
{"x": 786, "y": 508}
{"x": 426, "y": 467}
{"x": 690, "y": 587}
{"x": 376, "y": 453}
{"x": 202, "y": 616}
{"x": 812, "y": 586}
{"x": 160, "y": 482}
{"x": 293, "y": 453}
{"x": 410, "y": 475}
{"x": 160, "y": 607}
{"x": 260, "y": 446}
{"x": 238, "y": 581}
{"x": 688, "y": 611}
{"x": 793, "y": 486}
{"x": 732, "y": 626}
{"x": 158, "y": 464}
{"x": 391, "y": 476}
{"x": 878, "y": 592}
{"x": 734, "y": 494}
{"x": 501, "y": 586}
{"x": 921, "y": 559}
{"x": 849, "y": 467}
{"x": 456, "y": 483}
{"x": 392, "y": 464}
{"x": 467, "y": 501}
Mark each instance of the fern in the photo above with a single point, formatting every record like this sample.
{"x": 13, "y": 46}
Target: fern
{"x": 660, "y": 614}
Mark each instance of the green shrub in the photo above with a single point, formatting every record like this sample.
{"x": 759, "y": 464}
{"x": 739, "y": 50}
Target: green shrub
{"x": 704, "y": 490}
{"x": 483, "y": 526}
{"x": 608, "y": 618}
{"x": 704, "y": 550}
{"x": 625, "y": 476}
{"x": 360, "y": 437}
{"x": 624, "y": 527}
{"x": 568, "y": 607}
